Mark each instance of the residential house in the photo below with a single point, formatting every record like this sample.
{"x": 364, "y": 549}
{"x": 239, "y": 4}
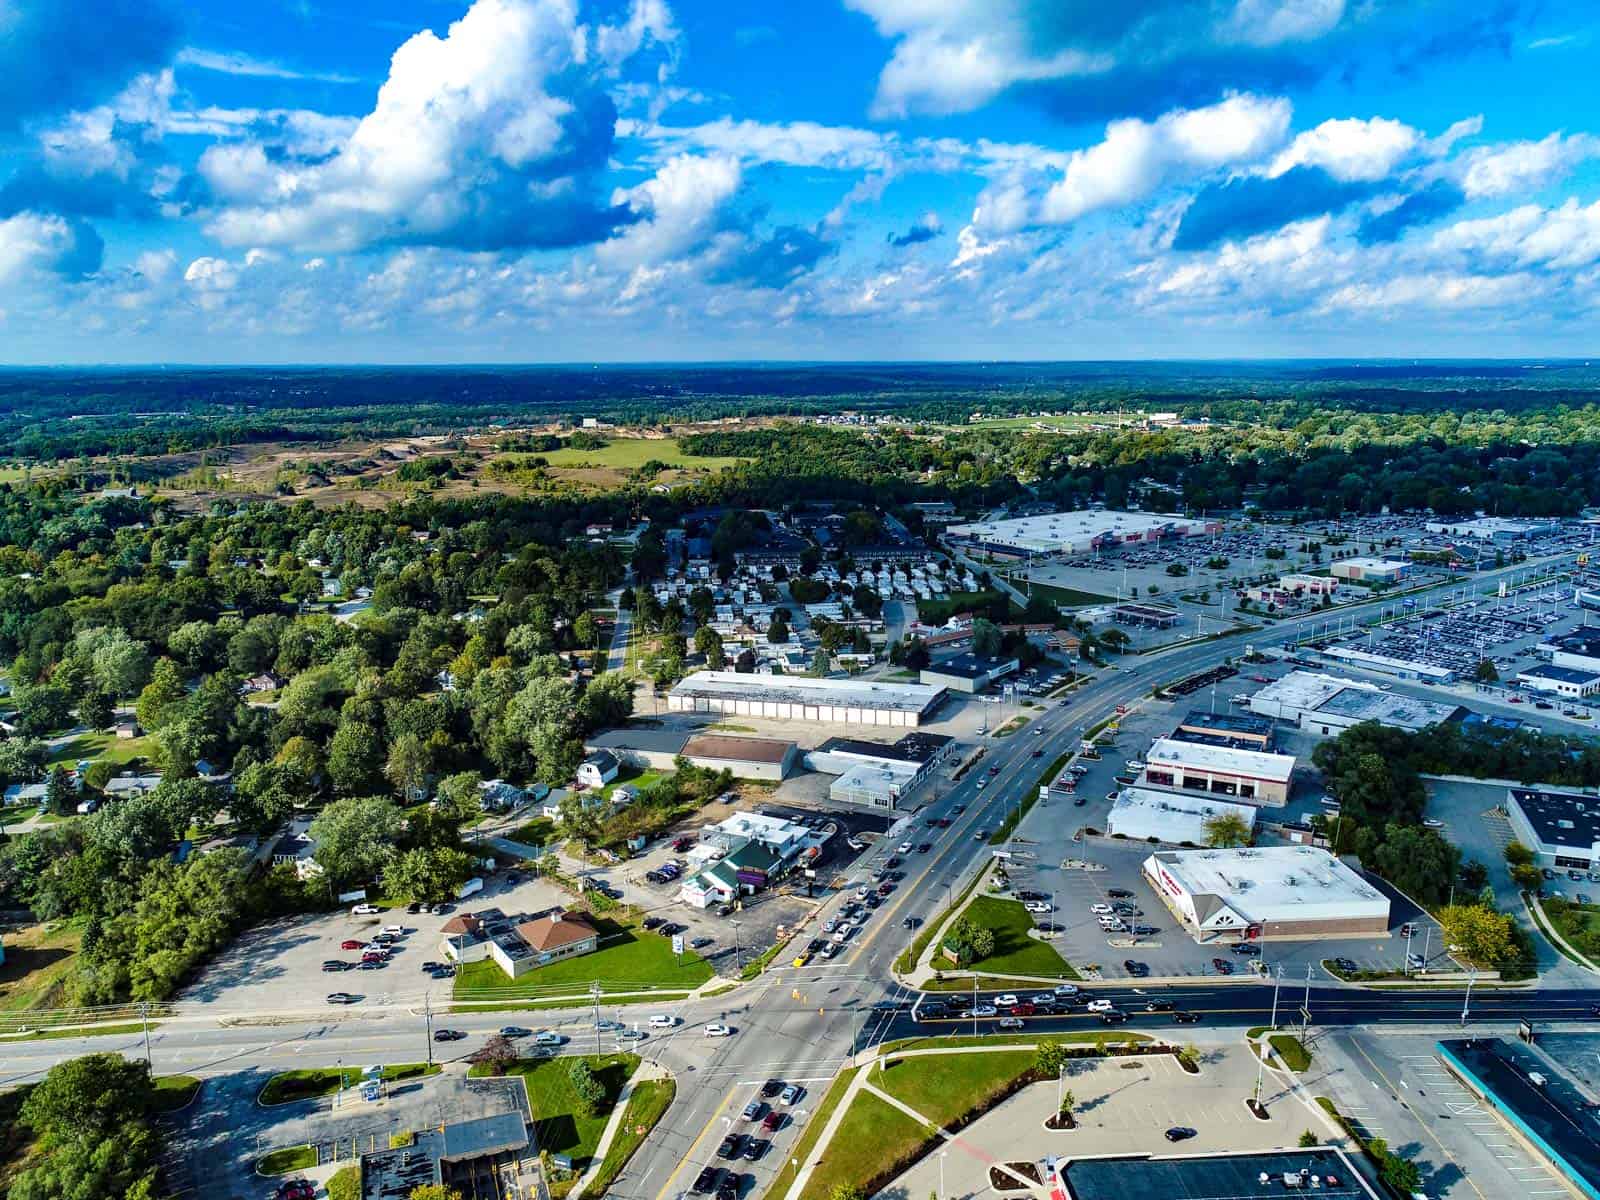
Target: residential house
{"x": 599, "y": 769}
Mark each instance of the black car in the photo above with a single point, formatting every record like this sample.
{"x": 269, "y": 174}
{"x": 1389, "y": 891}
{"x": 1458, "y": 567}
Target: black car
{"x": 1144, "y": 930}
{"x": 671, "y": 927}
{"x": 448, "y": 1035}
{"x": 1079, "y": 801}
{"x": 1050, "y": 927}
{"x": 1119, "y": 893}
{"x": 911, "y": 922}
{"x": 654, "y": 922}
{"x": 707, "y": 1181}
{"x": 755, "y": 1148}
{"x": 1113, "y": 1017}
{"x": 1158, "y": 1006}
{"x": 442, "y": 972}
{"x": 1186, "y": 1018}
{"x": 932, "y": 1012}
{"x": 335, "y": 964}
{"x": 1180, "y": 1133}
{"x": 730, "y": 1186}
{"x": 771, "y": 1088}
{"x": 891, "y": 862}
{"x": 731, "y": 1145}
{"x": 1244, "y": 948}
{"x": 701, "y": 941}
{"x": 1137, "y": 969}
{"x": 1026, "y": 896}
{"x": 414, "y": 907}
{"x": 343, "y": 998}
{"x": 924, "y": 847}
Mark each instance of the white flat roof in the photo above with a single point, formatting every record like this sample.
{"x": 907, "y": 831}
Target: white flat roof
{"x": 761, "y": 827}
{"x": 1257, "y": 764}
{"x": 803, "y": 689}
{"x": 1170, "y": 816}
{"x": 1368, "y": 563}
{"x": 1274, "y": 883}
{"x": 1067, "y": 528}
{"x": 1385, "y": 662}
{"x": 875, "y": 778}
{"x": 1311, "y": 693}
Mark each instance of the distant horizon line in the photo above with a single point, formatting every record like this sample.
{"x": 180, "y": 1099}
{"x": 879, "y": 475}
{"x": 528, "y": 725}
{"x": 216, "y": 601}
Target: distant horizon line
{"x": 752, "y": 363}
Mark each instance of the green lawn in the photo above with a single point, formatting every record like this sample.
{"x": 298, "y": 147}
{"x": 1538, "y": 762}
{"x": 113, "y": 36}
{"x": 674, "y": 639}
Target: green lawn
{"x": 649, "y": 1102}
{"x": 626, "y": 454}
{"x": 629, "y": 957}
{"x": 290, "y": 1158}
{"x": 39, "y": 963}
{"x": 1294, "y": 1054}
{"x": 944, "y": 1087}
{"x": 941, "y": 1041}
{"x": 559, "y": 1125}
{"x": 872, "y": 1139}
{"x": 1065, "y": 596}
{"x": 304, "y": 1085}
{"x": 540, "y": 831}
{"x": 174, "y": 1091}
{"x": 1015, "y": 953}
{"x": 106, "y": 746}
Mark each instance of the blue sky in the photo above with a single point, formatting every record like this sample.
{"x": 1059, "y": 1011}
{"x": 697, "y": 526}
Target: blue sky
{"x": 567, "y": 180}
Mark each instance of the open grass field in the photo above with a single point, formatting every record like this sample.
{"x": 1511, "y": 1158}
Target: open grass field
{"x": 629, "y": 454}
{"x": 629, "y": 958}
{"x": 289, "y": 1158}
{"x": 943, "y": 1087}
{"x": 39, "y": 961}
{"x": 873, "y": 1137}
{"x": 108, "y": 746}
{"x": 560, "y": 1124}
{"x": 1068, "y": 597}
{"x": 1015, "y": 953}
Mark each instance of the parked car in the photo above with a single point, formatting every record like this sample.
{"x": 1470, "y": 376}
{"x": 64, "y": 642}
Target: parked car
{"x": 335, "y": 964}
{"x": 343, "y": 998}
{"x": 772, "y": 1122}
{"x": 791, "y": 1093}
{"x": 754, "y": 1110}
{"x": 730, "y": 1146}
{"x": 1180, "y": 1133}
{"x": 351, "y": 944}
{"x": 706, "y": 1181}
{"x": 296, "y": 1189}
{"x": 366, "y": 910}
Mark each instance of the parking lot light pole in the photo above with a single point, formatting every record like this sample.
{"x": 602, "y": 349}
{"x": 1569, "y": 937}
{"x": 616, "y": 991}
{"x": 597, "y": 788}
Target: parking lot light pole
{"x": 942, "y": 1154}
{"x": 1466, "y": 1003}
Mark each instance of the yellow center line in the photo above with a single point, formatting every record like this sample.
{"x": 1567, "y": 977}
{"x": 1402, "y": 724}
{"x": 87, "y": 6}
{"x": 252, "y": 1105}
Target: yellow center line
{"x": 1425, "y": 1127}
{"x": 694, "y": 1146}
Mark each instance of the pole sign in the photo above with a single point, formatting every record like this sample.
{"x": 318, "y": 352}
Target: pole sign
{"x": 677, "y": 943}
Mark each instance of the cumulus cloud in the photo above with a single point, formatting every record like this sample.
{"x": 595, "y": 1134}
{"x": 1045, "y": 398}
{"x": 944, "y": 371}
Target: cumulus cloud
{"x": 1350, "y": 148}
{"x": 1488, "y": 171}
{"x": 495, "y": 135}
{"x": 1562, "y": 238}
{"x": 45, "y": 244}
{"x": 1134, "y": 159}
{"x": 674, "y": 212}
{"x": 775, "y": 261}
{"x": 788, "y": 143}
{"x": 924, "y": 229}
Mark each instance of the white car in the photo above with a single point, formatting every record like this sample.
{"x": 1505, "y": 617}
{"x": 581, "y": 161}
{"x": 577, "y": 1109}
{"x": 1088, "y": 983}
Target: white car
{"x": 1101, "y": 908}
{"x": 1099, "y": 1006}
{"x": 1433, "y": 823}
{"x": 717, "y": 1029}
{"x": 662, "y": 1021}
{"x": 1006, "y": 1001}
{"x": 830, "y": 925}
{"x": 393, "y": 931}
{"x": 829, "y": 950}
{"x": 1037, "y": 906}
{"x": 904, "y": 848}
{"x": 365, "y": 910}
{"x": 842, "y": 933}
{"x": 1065, "y": 989}
{"x": 546, "y": 1037}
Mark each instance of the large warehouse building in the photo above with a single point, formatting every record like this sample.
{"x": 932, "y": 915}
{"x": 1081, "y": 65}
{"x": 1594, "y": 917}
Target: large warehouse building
{"x": 1253, "y": 775}
{"x": 1327, "y": 704}
{"x": 1561, "y": 828}
{"x": 801, "y": 698}
{"x": 1076, "y": 532}
{"x": 1140, "y": 814}
{"x": 1370, "y": 570}
{"x": 1268, "y": 892}
{"x": 658, "y": 749}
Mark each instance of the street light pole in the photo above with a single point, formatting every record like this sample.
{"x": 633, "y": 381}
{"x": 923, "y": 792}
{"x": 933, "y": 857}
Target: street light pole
{"x": 1466, "y": 1003}
{"x": 942, "y": 1154}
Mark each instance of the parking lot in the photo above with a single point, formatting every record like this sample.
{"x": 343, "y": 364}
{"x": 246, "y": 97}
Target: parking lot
{"x": 1395, "y": 1086}
{"x": 278, "y": 966}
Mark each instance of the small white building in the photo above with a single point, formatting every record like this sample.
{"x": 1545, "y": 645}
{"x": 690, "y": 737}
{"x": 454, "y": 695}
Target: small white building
{"x": 1567, "y": 682}
{"x": 599, "y": 769}
{"x": 1254, "y": 775}
{"x": 1370, "y": 570}
{"x": 1143, "y": 814}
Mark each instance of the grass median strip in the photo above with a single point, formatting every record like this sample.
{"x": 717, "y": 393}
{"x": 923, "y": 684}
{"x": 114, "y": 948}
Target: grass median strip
{"x": 174, "y": 1092}
{"x": 289, "y": 1086}
{"x": 871, "y": 1140}
{"x": 289, "y": 1158}
{"x": 649, "y": 1102}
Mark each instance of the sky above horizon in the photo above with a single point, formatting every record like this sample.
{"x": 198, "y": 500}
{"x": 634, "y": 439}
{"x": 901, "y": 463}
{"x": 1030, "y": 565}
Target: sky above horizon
{"x": 656, "y": 180}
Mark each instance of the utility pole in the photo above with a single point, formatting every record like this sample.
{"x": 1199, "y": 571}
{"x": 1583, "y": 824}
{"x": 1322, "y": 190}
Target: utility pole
{"x": 427, "y": 1014}
{"x": 1305, "y": 1008}
{"x": 1277, "y": 981}
{"x": 144, "y": 1020}
{"x": 974, "y": 1004}
{"x": 1466, "y": 1003}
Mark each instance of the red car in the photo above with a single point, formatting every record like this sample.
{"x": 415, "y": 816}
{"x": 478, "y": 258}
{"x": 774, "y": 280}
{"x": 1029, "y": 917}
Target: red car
{"x": 297, "y": 1189}
{"x": 1025, "y": 1009}
{"x": 375, "y": 956}
{"x": 351, "y": 944}
{"x": 772, "y": 1122}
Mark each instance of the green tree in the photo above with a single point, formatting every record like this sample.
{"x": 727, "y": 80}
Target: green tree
{"x": 986, "y": 638}
{"x": 159, "y": 700}
{"x": 968, "y": 942}
{"x": 1049, "y": 1057}
{"x": 1518, "y": 855}
{"x": 88, "y": 1098}
{"x": 356, "y": 837}
{"x": 586, "y": 630}
{"x": 586, "y": 1085}
{"x": 1226, "y": 830}
{"x": 60, "y": 796}
{"x": 578, "y": 819}
{"x": 846, "y": 1191}
{"x": 1485, "y": 672}
{"x": 434, "y": 1191}
{"x": 354, "y": 757}
{"x": 407, "y": 767}
{"x": 118, "y": 1166}
{"x": 95, "y": 709}
{"x": 121, "y": 665}
{"x": 778, "y": 631}
{"x": 428, "y": 873}
{"x": 708, "y": 642}
{"x": 1308, "y": 1139}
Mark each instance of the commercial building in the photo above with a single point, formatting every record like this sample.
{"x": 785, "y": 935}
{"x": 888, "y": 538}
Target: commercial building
{"x": 800, "y": 698}
{"x": 1143, "y": 814}
{"x": 876, "y": 775}
{"x": 1568, "y": 682}
{"x": 1579, "y": 649}
{"x": 1561, "y": 828}
{"x": 1267, "y": 892}
{"x": 517, "y": 945}
{"x": 1145, "y": 616}
{"x": 1512, "y": 1081}
{"x": 1323, "y": 1171}
{"x": 1254, "y": 775}
{"x": 1386, "y": 664}
{"x": 968, "y": 672}
{"x": 1495, "y": 529}
{"x": 1326, "y": 705}
{"x": 1370, "y": 570}
{"x": 1079, "y": 532}
{"x": 1244, "y": 730}
{"x": 656, "y": 749}
{"x": 1292, "y": 590}
{"x": 746, "y": 854}
{"x": 470, "y": 1158}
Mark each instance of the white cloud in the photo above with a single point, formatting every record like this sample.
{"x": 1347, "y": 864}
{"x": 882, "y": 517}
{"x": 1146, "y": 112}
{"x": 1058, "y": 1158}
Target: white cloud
{"x": 489, "y": 136}
{"x": 1434, "y": 290}
{"x": 1523, "y": 166}
{"x": 235, "y": 63}
{"x": 1281, "y": 261}
{"x": 789, "y": 143}
{"x": 1136, "y": 158}
{"x": 1274, "y": 22}
{"x": 678, "y": 209}
{"x": 32, "y": 243}
{"x": 1350, "y": 148}
{"x": 1564, "y": 238}
{"x": 208, "y": 274}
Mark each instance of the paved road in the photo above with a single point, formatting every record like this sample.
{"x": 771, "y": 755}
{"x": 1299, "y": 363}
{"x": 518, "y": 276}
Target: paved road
{"x": 802, "y": 1025}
